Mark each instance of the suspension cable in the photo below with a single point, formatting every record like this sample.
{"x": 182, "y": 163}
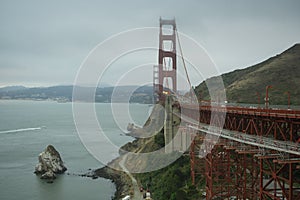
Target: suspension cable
{"x": 183, "y": 61}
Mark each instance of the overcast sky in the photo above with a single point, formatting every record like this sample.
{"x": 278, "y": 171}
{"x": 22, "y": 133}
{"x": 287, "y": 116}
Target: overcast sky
{"x": 43, "y": 43}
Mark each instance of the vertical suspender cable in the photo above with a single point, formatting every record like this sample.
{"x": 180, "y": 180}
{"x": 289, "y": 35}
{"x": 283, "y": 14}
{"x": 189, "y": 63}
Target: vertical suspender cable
{"x": 181, "y": 53}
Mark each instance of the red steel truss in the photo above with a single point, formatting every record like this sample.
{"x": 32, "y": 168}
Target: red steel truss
{"x": 219, "y": 180}
{"x": 237, "y": 170}
{"x": 280, "y": 177}
{"x": 197, "y": 164}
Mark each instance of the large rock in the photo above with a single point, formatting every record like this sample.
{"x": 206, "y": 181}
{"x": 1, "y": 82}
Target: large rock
{"x": 48, "y": 175}
{"x": 50, "y": 163}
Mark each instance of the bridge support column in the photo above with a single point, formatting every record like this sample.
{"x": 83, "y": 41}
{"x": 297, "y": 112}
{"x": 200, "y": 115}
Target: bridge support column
{"x": 197, "y": 160}
{"x": 168, "y": 126}
{"x": 246, "y": 173}
{"x": 219, "y": 177}
{"x": 231, "y": 172}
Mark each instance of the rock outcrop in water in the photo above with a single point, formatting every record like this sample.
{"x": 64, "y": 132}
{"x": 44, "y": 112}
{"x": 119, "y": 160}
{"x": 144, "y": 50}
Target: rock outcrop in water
{"x": 50, "y": 164}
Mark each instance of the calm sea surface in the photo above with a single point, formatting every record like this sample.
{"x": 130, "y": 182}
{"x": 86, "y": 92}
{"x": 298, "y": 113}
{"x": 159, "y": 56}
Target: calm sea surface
{"x": 27, "y": 127}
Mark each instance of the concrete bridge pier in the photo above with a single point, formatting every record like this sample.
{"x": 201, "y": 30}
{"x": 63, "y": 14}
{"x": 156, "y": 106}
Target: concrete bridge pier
{"x": 168, "y": 125}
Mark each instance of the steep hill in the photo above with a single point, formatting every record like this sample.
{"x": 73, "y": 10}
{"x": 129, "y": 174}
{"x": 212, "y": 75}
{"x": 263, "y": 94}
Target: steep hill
{"x": 281, "y": 71}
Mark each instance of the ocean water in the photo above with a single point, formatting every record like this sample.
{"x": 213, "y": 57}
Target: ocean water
{"x": 27, "y": 127}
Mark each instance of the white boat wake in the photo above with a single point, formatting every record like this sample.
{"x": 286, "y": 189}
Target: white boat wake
{"x": 22, "y": 130}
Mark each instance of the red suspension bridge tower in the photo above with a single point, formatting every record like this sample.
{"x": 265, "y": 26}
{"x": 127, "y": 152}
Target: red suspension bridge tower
{"x": 164, "y": 74}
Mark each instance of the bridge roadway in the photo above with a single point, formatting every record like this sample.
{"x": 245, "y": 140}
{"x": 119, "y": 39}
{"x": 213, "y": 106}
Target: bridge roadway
{"x": 254, "y": 140}
{"x": 273, "y": 112}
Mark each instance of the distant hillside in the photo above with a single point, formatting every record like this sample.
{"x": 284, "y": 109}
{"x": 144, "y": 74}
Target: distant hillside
{"x": 12, "y": 88}
{"x": 141, "y": 94}
{"x": 281, "y": 71}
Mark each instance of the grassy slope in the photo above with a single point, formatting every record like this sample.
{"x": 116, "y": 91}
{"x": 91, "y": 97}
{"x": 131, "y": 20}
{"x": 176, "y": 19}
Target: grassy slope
{"x": 172, "y": 182}
{"x": 281, "y": 71}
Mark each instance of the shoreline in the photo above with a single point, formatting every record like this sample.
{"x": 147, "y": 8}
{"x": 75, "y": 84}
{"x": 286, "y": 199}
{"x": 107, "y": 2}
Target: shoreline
{"x": 114, "y": 170}
{"x": 120, "y": 179}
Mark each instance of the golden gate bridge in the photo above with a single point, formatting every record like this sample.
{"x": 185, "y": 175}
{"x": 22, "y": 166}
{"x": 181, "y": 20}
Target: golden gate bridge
{"x": 257, "y": 152}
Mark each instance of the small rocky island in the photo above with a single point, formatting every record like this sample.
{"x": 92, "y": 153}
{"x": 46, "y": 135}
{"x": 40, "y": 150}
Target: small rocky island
{"x": 50, "y": 164}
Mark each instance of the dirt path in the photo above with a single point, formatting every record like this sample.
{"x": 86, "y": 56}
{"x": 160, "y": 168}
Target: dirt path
{"x": 137, "y": 194}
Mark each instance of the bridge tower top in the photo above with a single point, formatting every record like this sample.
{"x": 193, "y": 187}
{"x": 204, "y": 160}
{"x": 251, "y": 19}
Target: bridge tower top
{"x": 164, "y": 74}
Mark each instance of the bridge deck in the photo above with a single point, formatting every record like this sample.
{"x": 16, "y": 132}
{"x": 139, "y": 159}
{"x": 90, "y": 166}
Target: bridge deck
{"x": 254, "y": 140}
{"x": 282, "y": 113}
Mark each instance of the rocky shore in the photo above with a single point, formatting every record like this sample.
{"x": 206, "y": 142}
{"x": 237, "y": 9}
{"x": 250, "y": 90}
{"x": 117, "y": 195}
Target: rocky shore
{"x": 122, "y": 181}
{"x": 119, "y": 178}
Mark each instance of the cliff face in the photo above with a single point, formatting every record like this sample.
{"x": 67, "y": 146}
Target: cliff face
{"x": 281, "y": 71}
{"x": 50, "y": 164}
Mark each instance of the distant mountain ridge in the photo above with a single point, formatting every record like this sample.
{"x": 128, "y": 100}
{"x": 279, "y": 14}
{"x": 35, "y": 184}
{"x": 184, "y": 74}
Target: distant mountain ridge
{"x": 282, "y": 72}
{"x": 141, "y": 94}
{"x": 11, "y": 88}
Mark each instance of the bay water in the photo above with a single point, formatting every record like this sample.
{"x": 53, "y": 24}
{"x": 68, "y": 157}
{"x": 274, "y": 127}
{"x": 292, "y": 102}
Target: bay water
{"x": 27, "y": 127}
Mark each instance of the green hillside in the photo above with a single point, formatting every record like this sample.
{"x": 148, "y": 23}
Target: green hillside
{"x": 281, "y": 71}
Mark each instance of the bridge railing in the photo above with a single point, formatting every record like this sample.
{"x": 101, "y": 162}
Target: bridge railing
{"x": 254, "y": 140}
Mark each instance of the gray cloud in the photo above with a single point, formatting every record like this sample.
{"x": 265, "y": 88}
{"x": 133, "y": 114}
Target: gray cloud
{"x": 44, "y": 43}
